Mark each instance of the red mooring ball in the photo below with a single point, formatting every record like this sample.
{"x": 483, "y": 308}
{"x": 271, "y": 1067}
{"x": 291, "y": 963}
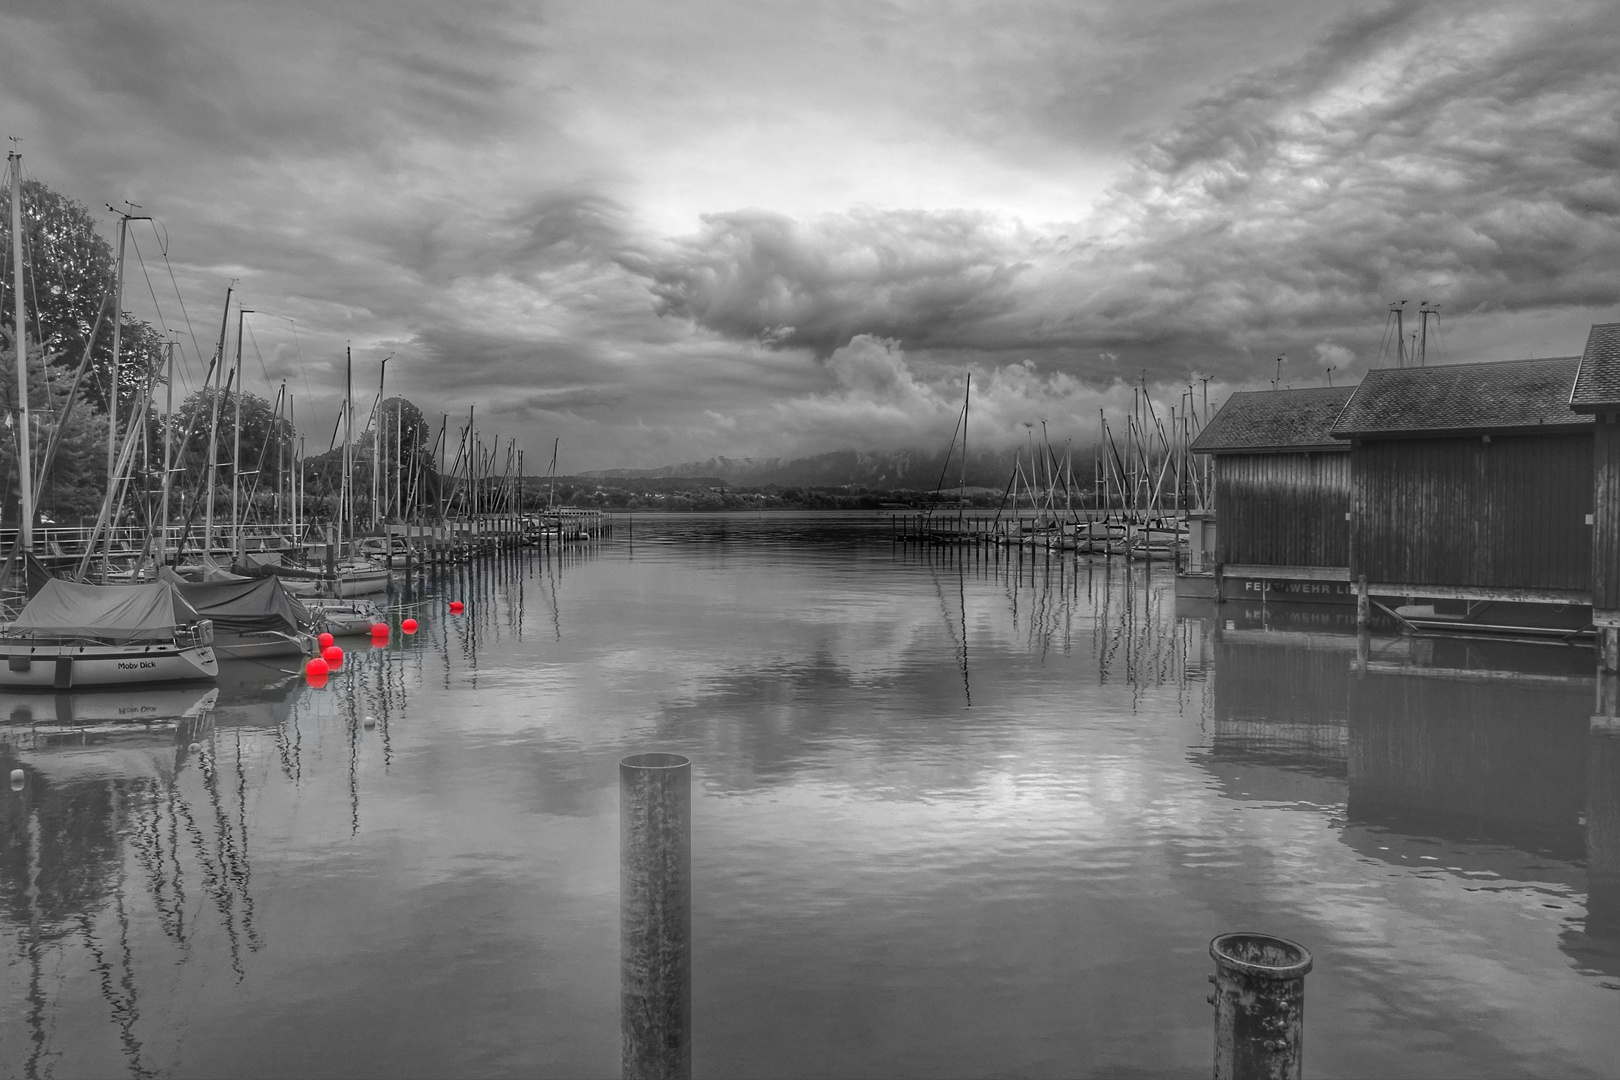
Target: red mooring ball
{"x": 379, "y": 629}
{"x": 409, "y": 626}
{"x": 334, "y": 656}
{"x": 457, "y": 607}
{"x": 316, "y": 668}
{"x": 326, "y": 641}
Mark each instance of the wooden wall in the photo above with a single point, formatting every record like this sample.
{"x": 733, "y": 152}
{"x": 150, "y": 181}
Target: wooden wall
{"x": 1606, "y": 513}
{"x": 1509, "y": 513}
{"x": 1283, "y": 509}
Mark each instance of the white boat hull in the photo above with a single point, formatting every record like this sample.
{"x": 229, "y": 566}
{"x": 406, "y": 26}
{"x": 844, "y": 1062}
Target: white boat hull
{"x": 60, "y": 667}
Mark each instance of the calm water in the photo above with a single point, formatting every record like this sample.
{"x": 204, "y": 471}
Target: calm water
{"x": 951, "y": 818}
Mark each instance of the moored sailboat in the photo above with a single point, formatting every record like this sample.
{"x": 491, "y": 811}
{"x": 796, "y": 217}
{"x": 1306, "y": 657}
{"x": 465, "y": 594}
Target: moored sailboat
{"x": 71, "y": 634}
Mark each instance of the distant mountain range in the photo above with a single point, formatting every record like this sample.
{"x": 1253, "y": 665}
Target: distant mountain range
{"x": 891, "y": 470}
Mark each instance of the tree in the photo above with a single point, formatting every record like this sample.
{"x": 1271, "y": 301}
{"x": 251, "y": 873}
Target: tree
{"x": 69, "y": 275}
{"x": 74, "y": 487}
{"x": 265, "y": 452}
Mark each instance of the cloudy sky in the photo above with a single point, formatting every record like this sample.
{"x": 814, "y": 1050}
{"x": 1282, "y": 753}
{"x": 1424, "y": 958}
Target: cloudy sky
{"x": 666, "y": 231}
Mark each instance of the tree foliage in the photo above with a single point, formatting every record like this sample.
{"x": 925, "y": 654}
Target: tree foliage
{"x": 69, "y": 274}
{"x": 73, "y": 490}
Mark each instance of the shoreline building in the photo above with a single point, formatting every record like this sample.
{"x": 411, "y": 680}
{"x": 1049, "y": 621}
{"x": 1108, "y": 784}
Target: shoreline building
{"x": 1282, "y": 493}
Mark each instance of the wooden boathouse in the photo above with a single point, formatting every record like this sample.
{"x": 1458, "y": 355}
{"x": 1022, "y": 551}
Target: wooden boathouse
{"x": 1596, "y": 393}
{"x": 1282, "y": 492}
{"x": 1471, "y": 485}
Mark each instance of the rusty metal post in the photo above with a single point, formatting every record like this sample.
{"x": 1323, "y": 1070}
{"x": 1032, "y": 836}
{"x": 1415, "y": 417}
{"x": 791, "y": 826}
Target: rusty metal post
{"x": 1259, "y": 1004}
{"x": 655, "y": 916}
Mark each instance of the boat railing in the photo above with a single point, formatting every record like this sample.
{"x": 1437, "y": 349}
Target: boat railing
{"x": 195, "y": 635}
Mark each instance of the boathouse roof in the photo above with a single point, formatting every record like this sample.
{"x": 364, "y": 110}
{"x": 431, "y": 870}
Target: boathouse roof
{"x": 1275, "y": 421}
{"x": 1597, "y": 383}
{"x": 1457, "y": 399}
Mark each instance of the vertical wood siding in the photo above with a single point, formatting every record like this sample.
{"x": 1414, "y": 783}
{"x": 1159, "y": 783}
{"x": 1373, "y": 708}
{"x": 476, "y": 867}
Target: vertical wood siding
{"x": 1606, "y": 513}
{"x": 1510, "y": 513}
{"x": 1283, "y": 509}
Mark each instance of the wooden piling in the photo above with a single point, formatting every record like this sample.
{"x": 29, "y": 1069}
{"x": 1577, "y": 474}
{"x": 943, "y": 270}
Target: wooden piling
{"x": 655, "y": 916}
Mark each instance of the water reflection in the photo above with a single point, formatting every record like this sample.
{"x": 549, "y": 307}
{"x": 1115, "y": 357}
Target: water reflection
{"x": 986, "y": 807}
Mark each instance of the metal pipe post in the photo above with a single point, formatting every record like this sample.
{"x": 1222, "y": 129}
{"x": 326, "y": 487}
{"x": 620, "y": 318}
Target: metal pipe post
{"x": 1259, "y": 1004}
{"x": 655, "y": 916}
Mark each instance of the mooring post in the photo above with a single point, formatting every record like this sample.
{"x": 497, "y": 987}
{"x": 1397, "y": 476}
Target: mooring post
{"x": 655, "y": 916}
{"x": 1259, "y": 1004}
{"x": 1363, "y": 603}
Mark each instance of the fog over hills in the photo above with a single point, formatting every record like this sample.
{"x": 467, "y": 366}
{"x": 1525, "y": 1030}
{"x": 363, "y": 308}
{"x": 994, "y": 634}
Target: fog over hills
{"x": 891, "y": 470}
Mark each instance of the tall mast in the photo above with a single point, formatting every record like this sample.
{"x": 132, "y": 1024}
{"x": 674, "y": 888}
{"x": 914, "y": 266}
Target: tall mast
{"x": 472, "y": 469}
{"x": 348, "y": 439}
{"x": 25, "y": 459}
{"x": 124, "y": 218}
{"x": 236, "y": 438}
{"x": 376, "y": 443}
{"x": 213, "y": 430}
{"x": 552, "y": 490}
{"x": 961, "y": 499}
{"x": 168, "y": 461}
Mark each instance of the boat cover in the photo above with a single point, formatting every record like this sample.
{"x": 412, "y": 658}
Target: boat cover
{"x": 246, "y": 605}
{"x": 114, "y": 612}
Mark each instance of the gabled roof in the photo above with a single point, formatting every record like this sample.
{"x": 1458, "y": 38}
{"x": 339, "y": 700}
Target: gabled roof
{"x": 1598, "y": 381}
{"x": 1456, "y": 399}
{"x": 1275, "y": 421}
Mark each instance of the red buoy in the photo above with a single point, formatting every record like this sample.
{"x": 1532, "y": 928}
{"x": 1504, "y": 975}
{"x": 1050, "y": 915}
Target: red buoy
{"x": 334, "y": 657}
{"x": 379, "y": 629}
{"x": 409, "y": 626}
{"x": 457, "y": 607}
{"x": 326, "y": 641}
{"x": 316, "y": 668}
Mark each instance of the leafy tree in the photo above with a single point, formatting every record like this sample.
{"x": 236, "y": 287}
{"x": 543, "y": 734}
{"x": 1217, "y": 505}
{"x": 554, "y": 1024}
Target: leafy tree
{"x": 266, "y": 446}
{"x": 69, "y": 275}
{"x": 73, "y": 490}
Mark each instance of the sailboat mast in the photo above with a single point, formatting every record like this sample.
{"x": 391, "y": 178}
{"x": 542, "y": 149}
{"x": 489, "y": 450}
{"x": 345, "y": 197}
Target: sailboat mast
{"x": 236, "y": 439}
{"x": 117, "y": 327}
{"x": 25, "y": 460}
{"x": 551, "y": 491}
{"x": 348, "y": 440}
{"x": 168, "y": 461}
{"x": 961, "y": 498}
{"x": 213, "y": 430}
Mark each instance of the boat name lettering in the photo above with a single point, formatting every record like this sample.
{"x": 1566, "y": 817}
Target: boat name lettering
{"x": 137, "y": 665}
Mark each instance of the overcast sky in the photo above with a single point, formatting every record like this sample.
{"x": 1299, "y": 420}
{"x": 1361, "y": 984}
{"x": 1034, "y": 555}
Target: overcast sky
{"x": 667, "y": 231}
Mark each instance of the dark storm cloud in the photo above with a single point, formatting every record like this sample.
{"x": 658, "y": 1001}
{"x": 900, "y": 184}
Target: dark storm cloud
{"x": 1464, "y": 156}
{"x": 910, "y": 275}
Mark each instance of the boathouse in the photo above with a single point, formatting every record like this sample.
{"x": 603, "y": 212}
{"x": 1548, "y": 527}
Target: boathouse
{"x": 1282, "y": 490}
{"x": 1596, "y": 393}
{"x": 1472, "y": 483}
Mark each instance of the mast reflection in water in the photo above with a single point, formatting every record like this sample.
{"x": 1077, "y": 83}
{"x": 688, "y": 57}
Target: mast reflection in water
{"x": 957, "y": 811}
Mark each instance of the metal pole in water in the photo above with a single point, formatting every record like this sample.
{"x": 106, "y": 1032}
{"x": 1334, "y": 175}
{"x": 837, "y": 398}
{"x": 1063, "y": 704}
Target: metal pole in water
{"x": 1259, "y": 1004}
{"x": 655, "y": 916}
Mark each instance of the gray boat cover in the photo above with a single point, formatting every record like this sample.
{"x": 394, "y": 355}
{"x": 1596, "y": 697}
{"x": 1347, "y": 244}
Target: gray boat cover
{"x": 246, "y": 605}
{"x": 113, "y": 612}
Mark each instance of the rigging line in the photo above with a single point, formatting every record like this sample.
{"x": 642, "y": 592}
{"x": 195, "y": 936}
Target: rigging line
{"x": 268, "y": 380}
{"x": 186, "y": 315}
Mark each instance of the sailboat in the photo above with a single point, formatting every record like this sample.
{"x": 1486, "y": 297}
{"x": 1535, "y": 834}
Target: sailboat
{"x": 72, "y": 634}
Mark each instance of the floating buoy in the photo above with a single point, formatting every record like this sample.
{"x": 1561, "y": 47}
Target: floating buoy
{"x": 326, "y": 641}
{"x": 457, "y": 607}
{"x": 333, "y": 657}
{"x": 194, "y": 749}
{"x": 16, "y": 779}
{"x": 370, "y": 721}
{"x": 317, "y": 668}
{"x": 409, "y": 626}
{"x": 379, "y": 629}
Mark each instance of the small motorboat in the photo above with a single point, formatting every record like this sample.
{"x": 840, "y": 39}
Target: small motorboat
{"x": 340, "y": 617}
